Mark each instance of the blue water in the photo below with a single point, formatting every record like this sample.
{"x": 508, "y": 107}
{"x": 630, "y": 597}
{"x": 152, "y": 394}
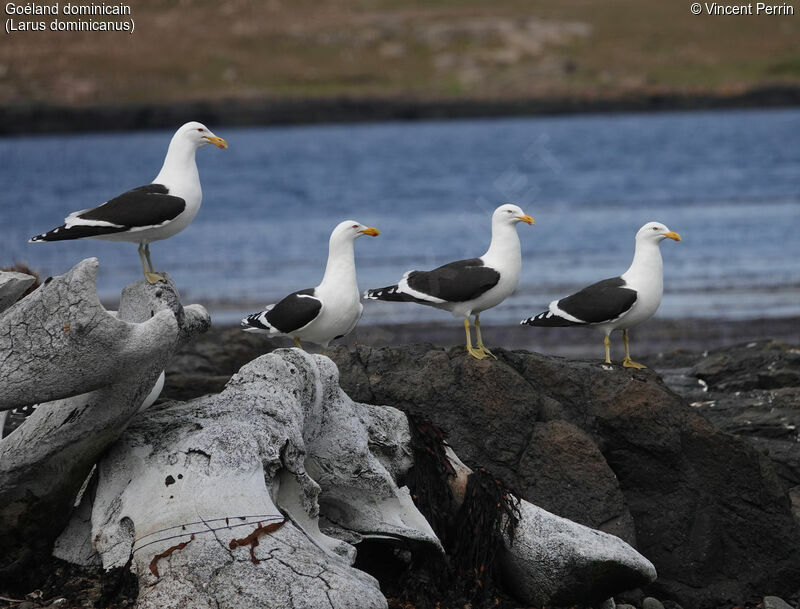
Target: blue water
{"x": 729, "y": 182}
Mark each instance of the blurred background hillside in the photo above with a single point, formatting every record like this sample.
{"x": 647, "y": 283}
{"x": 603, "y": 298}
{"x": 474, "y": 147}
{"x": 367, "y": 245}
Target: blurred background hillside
{"x": 190, "y": 50}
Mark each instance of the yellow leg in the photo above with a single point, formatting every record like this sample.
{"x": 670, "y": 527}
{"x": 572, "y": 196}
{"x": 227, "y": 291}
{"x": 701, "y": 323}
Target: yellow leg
{"x": 607, "y": 344}
{"x": 473, "y": 352}
{"x": 150, "y": 276}
{"x": 147, "y": 255}
{"x": 628, "y": 362}
{"x": 481, "y": 347}
{"x": 297, "y": 342}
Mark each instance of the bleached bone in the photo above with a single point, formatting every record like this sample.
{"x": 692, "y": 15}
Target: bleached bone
{"x": 186, "y": 479}
{"x": 60, "y": 342}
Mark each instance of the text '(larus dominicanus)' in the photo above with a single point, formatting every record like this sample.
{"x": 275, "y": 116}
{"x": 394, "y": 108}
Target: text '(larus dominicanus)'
{"x": 618, "y": 303}
{"x": 468, "y": 287}
{"x": 330, "y": 310}
{"x": 152, "y": 212}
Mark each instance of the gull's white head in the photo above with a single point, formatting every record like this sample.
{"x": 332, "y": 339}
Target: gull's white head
{"x": 197, "y": 135}
{"x": 510, "y": 214}
{"x": 656, "y": 232}
{"x": 350, "y": 229}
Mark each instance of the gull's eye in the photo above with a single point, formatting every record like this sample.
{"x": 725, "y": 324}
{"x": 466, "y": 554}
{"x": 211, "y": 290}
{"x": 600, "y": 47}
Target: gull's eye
{"x": 655, "y": 228}
{"x": 355, "y": 225}
{"x": 508, "y": 211}
{"x": 200, "y": 129}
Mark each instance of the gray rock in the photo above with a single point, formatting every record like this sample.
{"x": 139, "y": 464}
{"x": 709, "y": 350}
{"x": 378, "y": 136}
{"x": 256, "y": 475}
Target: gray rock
{"x": 554, "y": 561}
{"x": 775, "y": 602}
{"x": 753, "y": 391}
{"x": 651, "y": 603}
{"x": 625, "y": 606}
{"x": 12, "y": 286}
{"x": 794, "y": 497}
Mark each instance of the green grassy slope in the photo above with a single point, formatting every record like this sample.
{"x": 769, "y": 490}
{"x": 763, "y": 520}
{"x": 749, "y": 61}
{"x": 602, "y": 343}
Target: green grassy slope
{"x": 210, "y": 49}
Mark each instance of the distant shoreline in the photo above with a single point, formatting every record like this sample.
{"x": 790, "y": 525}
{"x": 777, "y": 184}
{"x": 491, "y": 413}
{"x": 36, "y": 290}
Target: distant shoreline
{"x": 41, "y": 118}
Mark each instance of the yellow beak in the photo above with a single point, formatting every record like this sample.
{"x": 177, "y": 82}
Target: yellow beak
{"x": 673, "y": 235}
{"x": 372, "y": 232}
{"x": 217, "y": 141}
{"x": 526, "y": 219}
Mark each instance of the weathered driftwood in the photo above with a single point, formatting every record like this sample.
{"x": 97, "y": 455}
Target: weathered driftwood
{"x": 189, "y": 486}
{"x": 60, "y": 344}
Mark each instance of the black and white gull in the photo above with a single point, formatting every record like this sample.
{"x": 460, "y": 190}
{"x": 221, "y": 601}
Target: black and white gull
{"x": 468, "y": 287}
{"x": 618, "y": 303}
{"x": 330, "y": 310}
{"x": 151, "y": 212}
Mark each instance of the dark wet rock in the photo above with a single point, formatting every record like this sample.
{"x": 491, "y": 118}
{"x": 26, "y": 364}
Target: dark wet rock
{"x": 708, "y": 508}
{"x": 751, "y": 390}
{"x": 205, "y": 366}
{"x": 769, "y": 420}
{"x": 551, "y": 462}
{"x": 651, "y": 603}
{"x": 759, "y": 365}
{"x": 562, "y": 470}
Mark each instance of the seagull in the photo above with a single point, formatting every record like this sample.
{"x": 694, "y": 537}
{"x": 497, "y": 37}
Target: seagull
{"x": 330, "y": 310}
{"x": 151, "y": 212}
{"x": 468, "y": 287}
{"x": 618, "y": 303}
